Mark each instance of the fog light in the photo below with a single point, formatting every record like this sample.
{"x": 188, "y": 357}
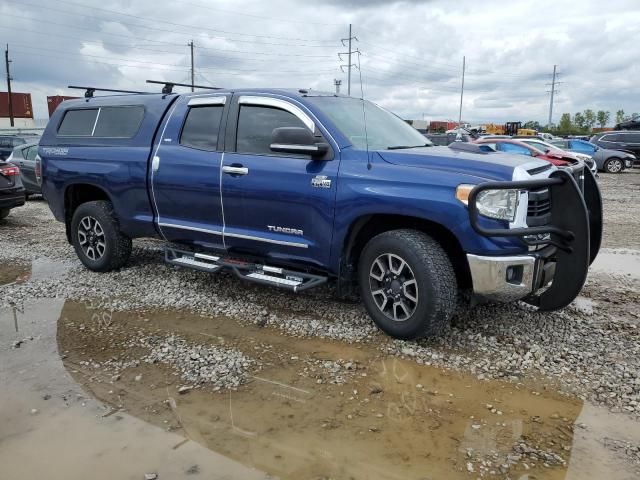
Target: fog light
{"x": 514, "y": 274}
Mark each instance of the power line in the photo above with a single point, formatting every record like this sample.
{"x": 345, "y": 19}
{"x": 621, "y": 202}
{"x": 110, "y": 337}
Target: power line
{"x": 173, "y": 24}
{"x": 166, "y": 66}
{"x": 138, "y": 47}
{"x": 66, "y": 25}
{"x": 553, "y": 92}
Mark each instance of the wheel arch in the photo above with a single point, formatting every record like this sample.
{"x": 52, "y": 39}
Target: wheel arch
{"x": 75, "y": 195}
{"x": 368, "y": 226}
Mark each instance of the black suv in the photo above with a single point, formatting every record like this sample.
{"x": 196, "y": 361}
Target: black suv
{"x": 624, "y": 140}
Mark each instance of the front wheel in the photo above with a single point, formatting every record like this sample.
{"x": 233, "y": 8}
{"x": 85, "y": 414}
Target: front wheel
{"x": 408, "y": 284}
{"x": 613, "y": 165}
{"x": 4, "y": 213}
{"x": 96, "y": 237}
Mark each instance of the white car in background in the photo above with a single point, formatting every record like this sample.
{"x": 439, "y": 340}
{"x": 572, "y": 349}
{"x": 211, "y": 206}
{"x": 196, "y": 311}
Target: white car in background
{"x": 545, "y": 146}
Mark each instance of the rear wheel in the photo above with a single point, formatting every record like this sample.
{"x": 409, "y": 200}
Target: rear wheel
{"x": 408, "y": 284}
{"x": 4, "y": 213}
{"x": 96, "y": 237}
{"x": 613, "y": 165}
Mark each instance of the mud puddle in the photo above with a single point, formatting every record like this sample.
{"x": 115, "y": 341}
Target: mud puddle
{"x": 14, "y": 272}
{"x": 305, "y": 409}
{"x": 314, "y": 409}
{"x": 40, "y": 268}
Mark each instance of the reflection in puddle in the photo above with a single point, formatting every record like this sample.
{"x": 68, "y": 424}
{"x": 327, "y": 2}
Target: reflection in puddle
{"x": 301, "y": 416}
{"x": 16, "y": 271}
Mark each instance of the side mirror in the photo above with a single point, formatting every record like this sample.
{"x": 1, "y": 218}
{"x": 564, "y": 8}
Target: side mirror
{"x": 297, "y": 140}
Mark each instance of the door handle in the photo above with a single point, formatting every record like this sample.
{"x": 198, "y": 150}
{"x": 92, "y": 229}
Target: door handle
{"x": 235, "y": 170}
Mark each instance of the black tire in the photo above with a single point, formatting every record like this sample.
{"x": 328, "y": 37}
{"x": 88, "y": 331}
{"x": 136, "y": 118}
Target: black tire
{"x": 437, "y": 289}
{"x": 117, "y": 247}
{"x": 614, "y": 165}
{"x": 4, "y": 213}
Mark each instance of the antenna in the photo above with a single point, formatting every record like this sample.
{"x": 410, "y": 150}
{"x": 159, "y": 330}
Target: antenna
{"x": 364, "y": 113}
{"x": 89, "y": 91}
{"x": 168, "y": 86}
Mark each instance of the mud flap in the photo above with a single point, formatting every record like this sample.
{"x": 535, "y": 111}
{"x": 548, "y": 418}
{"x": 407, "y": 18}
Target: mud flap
{"x": 593, "y": 200}
{"x": 569, "y": 213}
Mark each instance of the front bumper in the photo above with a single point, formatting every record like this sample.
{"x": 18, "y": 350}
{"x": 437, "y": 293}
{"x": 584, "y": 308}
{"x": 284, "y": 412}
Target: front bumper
{"x": 571, "y": 241}
{"x": 510, "y": 278}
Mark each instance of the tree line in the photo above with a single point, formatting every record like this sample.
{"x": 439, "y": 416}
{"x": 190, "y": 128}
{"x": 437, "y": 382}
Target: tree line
{"x": 581, "y": 123}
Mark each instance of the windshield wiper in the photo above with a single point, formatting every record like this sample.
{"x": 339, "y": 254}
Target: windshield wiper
{"x": 403, "y": 147}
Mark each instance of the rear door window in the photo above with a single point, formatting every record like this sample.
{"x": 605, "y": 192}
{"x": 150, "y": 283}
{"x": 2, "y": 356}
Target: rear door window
{"x": 31, "y": 152}
{"x": 201, "y": 127}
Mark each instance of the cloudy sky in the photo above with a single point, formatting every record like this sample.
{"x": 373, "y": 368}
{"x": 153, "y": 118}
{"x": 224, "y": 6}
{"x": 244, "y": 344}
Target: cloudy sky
{"x": 411, "y": 51}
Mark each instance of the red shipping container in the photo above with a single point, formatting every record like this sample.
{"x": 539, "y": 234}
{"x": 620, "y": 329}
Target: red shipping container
{"x": 21, "y": 103}
{"x": 55, "y": 100}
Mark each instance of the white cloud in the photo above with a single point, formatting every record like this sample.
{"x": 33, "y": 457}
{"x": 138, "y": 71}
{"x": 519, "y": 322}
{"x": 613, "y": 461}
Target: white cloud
{"x": 411, "y": 59}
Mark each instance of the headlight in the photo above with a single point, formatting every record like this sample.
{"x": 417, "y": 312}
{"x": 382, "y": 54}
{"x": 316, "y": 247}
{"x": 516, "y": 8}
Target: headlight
{"x": 499, "y": 204}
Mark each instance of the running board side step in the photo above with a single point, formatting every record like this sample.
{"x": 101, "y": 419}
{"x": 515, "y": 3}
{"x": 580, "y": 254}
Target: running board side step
{"x": 254, "y": 272}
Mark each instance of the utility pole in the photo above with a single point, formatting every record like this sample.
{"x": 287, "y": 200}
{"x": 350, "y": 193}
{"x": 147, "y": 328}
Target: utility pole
{"x": 193, "y": 73}
{"x": 348, "y": 53}
{"x": 553, "y": 91}
{"x": 337, "y": 83}
{"x": 459, "y": 135}
{"x": 7, "y": 62}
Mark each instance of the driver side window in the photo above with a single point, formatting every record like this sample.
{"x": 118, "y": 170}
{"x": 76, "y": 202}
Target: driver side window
{"x": 255, "y": 126}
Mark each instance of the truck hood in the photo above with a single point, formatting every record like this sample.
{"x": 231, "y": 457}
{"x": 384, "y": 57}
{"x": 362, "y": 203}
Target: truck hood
{"x": 490, "y": 166}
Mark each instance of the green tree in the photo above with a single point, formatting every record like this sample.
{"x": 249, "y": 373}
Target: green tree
{"x": 565, "y": 124}
{"x": 620, "y": 116}
{"x": 589, "y": 118}
{"x": 533, "y": 125}
{"x": 603, "y": 118}
{"x": 579, "y": 120}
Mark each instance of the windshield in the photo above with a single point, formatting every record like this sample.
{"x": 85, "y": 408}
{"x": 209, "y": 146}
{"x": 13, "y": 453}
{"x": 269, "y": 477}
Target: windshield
{"x": 384, "y": 130}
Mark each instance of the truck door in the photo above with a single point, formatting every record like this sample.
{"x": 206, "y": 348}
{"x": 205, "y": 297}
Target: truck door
{"x": 276, "y": 204}
{"x": 185, "y": 171}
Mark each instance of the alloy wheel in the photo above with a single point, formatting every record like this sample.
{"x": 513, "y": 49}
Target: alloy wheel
{"x": 394, "y": 287}
{"x": 91, "y": 238}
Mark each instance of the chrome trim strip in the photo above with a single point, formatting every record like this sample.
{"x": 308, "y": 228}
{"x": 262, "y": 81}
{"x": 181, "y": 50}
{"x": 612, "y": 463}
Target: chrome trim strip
{"x": 194, "y": 229}
{"x": 268, "y": 240}
{"x": 304, "y": 148}
{"x": 96, "y": 121}
{"x": 224, "y": 224}
{"x": 278, "y": 103}
{"x": 210, "y": 100}
{"x": 235, "y": 235}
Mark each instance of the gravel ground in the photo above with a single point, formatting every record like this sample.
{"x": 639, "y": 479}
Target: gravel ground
{"x": 590, "y": 348}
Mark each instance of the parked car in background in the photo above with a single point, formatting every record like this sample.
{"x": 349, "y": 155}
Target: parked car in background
{"x": 558, "y": 158}
{"x": 8, "y": 143}
{"x": 623, "y": 140}
{"x": 607, "y": 160}
{"x": 546, "y": 146}
{"x": 11, "y": 189}
{"x": 24, "y": 157}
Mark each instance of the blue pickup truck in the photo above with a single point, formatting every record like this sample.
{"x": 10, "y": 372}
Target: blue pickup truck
{"x": 292, "y": 188}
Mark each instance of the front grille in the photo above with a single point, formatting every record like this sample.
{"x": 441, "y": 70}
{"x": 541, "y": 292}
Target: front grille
{"x": 539, "y": 207}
